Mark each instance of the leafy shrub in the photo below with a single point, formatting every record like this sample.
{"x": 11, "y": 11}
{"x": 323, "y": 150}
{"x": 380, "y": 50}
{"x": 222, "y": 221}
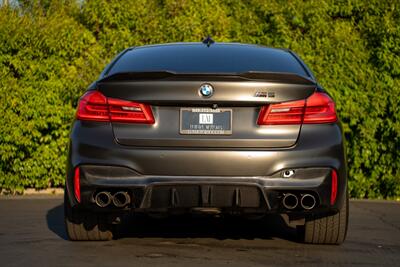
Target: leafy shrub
{"x": 51, "y": 50}
{"x": 45, "y": 64}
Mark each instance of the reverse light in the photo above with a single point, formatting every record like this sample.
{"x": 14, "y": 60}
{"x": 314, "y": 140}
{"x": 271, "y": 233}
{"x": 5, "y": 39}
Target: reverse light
{"x": 318, "y": 108}
{"x": 94, "y": 106}
{"x": 77, "y": 184}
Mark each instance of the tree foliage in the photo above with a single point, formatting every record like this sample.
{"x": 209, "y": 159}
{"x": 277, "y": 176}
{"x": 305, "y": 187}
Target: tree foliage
{"x": 51, "y": 51}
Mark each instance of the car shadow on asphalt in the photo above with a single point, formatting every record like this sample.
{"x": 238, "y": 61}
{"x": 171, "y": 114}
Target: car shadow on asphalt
{"x": 55, "y": 221}
{"x": 188, "y": 226}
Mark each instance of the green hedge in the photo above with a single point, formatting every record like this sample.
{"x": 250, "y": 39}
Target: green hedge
{"x": 51, "y": 51}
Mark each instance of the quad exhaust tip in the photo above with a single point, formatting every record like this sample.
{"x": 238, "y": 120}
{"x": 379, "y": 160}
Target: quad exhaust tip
{"x": 290, "y": 201}
{"x": 121, "y": 199}
{"x": 308, "y": 201}
{"x": 103, "y": 199}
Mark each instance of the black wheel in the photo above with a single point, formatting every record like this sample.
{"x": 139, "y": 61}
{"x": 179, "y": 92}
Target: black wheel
{"x": 327, "y": 230}
{"x": 85, "y": 226}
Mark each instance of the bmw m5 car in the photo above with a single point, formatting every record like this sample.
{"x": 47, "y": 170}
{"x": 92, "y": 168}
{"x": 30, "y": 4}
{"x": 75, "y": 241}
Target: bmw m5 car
{"x": 213, "y": 128}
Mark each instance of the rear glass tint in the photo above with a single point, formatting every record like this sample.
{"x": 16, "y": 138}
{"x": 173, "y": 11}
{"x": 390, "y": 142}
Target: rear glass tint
{"x": 198, "y": 58}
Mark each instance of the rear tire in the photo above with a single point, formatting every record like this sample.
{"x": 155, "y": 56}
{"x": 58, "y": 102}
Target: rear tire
{"x": 327, "y": 230}
{"x": 85, "y": 226}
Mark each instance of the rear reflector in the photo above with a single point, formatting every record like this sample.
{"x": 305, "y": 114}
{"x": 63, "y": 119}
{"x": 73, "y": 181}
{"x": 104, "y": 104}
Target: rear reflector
{"x": 94, "y": 106}
{"x": 77, "y": 184}
{"x": 318, "y": 108}
{"x": 334, "y": 186}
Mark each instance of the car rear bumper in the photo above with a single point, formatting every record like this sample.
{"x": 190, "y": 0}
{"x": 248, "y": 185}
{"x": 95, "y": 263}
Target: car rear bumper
{"x": 239, "y": 194}
{"x": 242, "y": 179}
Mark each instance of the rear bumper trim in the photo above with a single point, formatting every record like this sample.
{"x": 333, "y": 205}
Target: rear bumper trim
{"x": 207, "y": 143}
{"x": 264, "y": 182}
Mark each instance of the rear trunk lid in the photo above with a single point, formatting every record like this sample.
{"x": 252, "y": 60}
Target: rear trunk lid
{"x": 173, "y": 97}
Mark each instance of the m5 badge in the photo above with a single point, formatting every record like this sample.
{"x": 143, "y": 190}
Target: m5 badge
{"x": 265, "y": 94}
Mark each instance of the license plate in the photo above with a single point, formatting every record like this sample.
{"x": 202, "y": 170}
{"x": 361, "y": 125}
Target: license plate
{"x": 206, "y": 121}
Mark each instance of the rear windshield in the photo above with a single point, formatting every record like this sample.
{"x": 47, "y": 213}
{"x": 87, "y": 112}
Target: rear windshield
{"x": 198, "y": 58}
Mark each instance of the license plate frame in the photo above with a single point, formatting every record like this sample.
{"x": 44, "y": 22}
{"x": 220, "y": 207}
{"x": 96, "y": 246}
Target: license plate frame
{"x": 218, "y": 128}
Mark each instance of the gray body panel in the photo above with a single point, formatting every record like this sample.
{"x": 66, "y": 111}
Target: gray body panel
{"x": 318, "y": 146}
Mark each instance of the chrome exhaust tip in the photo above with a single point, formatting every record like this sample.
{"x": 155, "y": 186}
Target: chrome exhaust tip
{"x": 103, "y": 199}
{"x": 308, "y": 201}
{"x": 290, "y": 201}
{"x": 121, "y": 199}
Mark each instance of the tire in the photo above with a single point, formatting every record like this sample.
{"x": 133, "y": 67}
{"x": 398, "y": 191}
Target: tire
{"x": 327, "y": 230}
{"x": 85, "y": 226}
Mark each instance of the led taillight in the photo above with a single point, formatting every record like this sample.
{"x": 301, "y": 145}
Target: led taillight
{"x": 334, "y": 186}
{"x": 283, "y": 113}
{"x": 127, "y": 111}
{"x": 318, "y": 108}
{"x": 77, "y": 184}
{"x": 94, "y": 106}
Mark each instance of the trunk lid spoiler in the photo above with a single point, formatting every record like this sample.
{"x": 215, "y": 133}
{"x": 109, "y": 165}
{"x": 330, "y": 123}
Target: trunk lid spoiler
{"x": 166, "y": 87}
{"x": 279, "y": 77}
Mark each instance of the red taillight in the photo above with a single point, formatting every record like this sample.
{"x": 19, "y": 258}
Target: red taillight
{"x": 77, "y": 184}
{"x": 127, "y": 111}
{"x": 95, "y": 106}
{"x": 283, "y": 113}
{"x": 318, "y": 108}
{"x": 334, "y": 186}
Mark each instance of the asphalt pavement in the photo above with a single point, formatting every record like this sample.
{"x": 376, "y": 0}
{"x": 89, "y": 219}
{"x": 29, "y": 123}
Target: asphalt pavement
{"x": 32, "y": 234}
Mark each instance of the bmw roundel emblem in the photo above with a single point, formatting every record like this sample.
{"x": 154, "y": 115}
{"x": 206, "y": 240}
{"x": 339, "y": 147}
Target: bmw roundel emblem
{"x": 206, "y": 90}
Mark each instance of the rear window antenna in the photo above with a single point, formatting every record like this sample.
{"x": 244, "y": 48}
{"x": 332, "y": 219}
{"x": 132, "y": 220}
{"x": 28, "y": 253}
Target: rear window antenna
{"x": 208, "y": 41}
